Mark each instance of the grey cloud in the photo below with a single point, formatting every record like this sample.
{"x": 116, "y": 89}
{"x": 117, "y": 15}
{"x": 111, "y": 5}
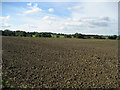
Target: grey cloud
{"x": 105, "y": 18}
{"x": 100, "y": 23}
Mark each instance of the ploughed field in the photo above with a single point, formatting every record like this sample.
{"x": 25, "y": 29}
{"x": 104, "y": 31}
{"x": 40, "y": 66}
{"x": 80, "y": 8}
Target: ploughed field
{"x": 60, "y": 63}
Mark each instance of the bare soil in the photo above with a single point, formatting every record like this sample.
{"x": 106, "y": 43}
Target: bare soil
{"x": 60, "y": 63}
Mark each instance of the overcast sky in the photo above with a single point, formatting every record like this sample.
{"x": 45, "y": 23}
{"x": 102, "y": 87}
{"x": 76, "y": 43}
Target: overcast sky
{"x": 61, "y": 17}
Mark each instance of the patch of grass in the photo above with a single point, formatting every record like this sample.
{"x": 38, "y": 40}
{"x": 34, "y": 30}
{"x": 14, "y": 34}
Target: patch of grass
{"x": 33, "y": 36}
{"x": 6, "y": 84}
{"x": 54, "y": 36}
{"x": 61, "y": 36}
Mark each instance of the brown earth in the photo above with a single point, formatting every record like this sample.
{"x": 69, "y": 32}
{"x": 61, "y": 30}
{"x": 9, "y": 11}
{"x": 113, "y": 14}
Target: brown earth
{"x": 60, "y": 63}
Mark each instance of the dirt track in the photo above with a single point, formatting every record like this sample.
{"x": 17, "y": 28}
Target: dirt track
{"x": 60, "y": 63}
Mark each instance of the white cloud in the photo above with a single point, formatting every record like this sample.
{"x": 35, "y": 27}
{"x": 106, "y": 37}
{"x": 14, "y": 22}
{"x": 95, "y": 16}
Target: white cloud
{"x": 3, "y": 22}
{"x": 24, "y": 27}
{"x": 49, "y": 17}
{"x": 33, "y": 9}
{"x": 3, "y": 18}
{"x": 29, "y": 4}
{"x": 4, "y": 25}
{"x": 46, "y": 17}
{"x": 73, "y": 23}
{"x": 78, "y": 18}
{"x": 51, "y": 10}
{"x": 76, "y": 22}
{"x": 75, "y": 8}
{"x": 53, "y": 23}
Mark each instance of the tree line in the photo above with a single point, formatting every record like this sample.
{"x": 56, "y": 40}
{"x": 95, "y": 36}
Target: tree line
{"x": 59, "y": 35}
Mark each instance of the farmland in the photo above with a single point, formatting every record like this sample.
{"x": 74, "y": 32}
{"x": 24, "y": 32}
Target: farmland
{"x": 60, "y": 62}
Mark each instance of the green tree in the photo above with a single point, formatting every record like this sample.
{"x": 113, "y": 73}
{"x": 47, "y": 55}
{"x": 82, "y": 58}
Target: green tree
{"x": 8, "y": 33}
{"x": 57, "y": 36}
{"x": 98, "y": 37}
{"x": 78, "y": 35}
{"x": 20, "y": 33}
{"x": 112, "y": 37}
{"x": 45, "y": 34}
{"x": 67, "y": 36}
{"x": 38, "y": 35}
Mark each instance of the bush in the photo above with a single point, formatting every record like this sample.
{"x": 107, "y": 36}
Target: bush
{"x": 112, "y": 37}
{"x": 77, "y": 35}
{"x": 20, "y": 33}
{"x": 8, "y": 33}
{"x": 67, "y": 36}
